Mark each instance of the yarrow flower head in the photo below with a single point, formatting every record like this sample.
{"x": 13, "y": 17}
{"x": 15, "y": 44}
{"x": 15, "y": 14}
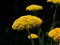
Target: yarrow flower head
{"x": 34, "y": 7}
{"x": 26, "y": 22}
{"x": 55, "y": 34}
{"x": 32, "y": 36}
{"x": 54, "y": 1}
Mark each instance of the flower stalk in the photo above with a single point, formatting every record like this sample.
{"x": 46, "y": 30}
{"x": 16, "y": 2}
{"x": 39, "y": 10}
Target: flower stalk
{"x": 54, "y": 14}
{"x": 32, "y": 41}
{"x": 34, "y": 13}
{"x": 42, "y": 39}
{"x": 39, "y": 31}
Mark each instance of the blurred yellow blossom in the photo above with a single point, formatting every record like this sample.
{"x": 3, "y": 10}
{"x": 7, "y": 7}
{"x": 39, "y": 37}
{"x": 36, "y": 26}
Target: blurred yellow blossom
{"x": 26, "y": 22}
{"x": 34, "y": 7}
{"x": 49, "y": 0}
{"x": 32, "y": 36}
{"x": 55, "y": 34}
{"x": 54, "y": 1}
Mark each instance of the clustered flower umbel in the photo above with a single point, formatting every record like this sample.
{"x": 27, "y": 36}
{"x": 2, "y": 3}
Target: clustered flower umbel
{"x": 26, "y": 22}
{"x": 34, "y": 7}
{"x": 54, "y": 1}
{"x": 55, "y": 34}
{"x": 32, "y": 36}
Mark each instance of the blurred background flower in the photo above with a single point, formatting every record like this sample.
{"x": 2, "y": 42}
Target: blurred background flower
{"x": 34, "y": 7}
{"x": 54, "y": 1}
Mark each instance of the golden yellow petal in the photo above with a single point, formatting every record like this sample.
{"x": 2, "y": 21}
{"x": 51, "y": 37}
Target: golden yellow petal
{"x": 32, "y": 36}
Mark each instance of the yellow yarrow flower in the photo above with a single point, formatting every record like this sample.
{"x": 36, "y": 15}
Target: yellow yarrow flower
{"x": 52, "y": 33}
{"x": 55, "y": 34}
{"x": 32, "y": 36}
{"x": 57, "y": 38}
{"x": 26, "y": 22}
{"x": 34, "y": 7}
{"x": 54, "y": 1}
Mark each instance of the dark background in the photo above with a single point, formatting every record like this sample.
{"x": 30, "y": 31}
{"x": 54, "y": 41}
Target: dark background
{"x": 12, "y": 9}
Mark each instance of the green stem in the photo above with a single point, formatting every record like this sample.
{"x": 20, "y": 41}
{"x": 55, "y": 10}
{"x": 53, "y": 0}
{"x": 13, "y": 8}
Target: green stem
{"x": 30, "y": 37}
{"x": 47, "y": 43}
{"x": 57, "y": 43}
{"x": 42, "y": 39}
{"x": 54, "y": 14}
{"x": 53, "y": 21}
{"x": 39, "y": 30}
{"x": 51, "y": 42}
{"x": 34, "y": 13}
{"x": 52, "y": 26}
